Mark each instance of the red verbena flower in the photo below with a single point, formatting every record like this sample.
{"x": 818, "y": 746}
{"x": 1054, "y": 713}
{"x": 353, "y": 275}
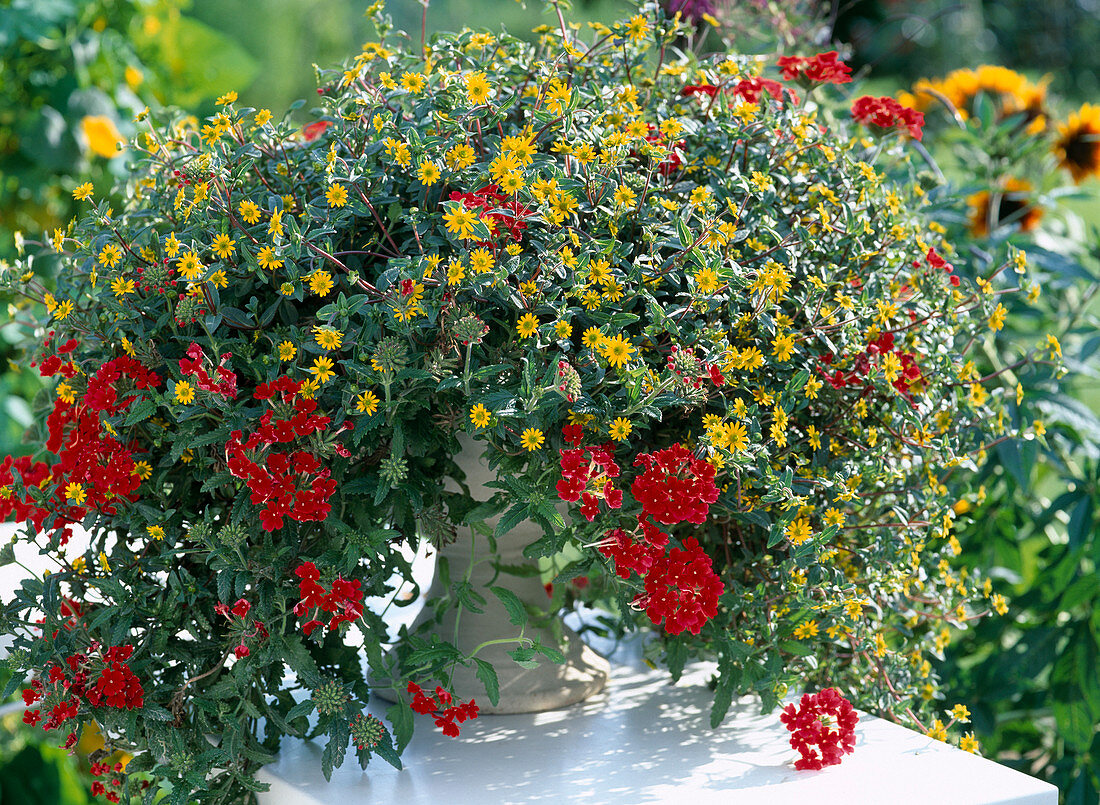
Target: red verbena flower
{"x": 822, "y": 728}
{"x": 824, "y": 68}
{"x": 887, "y": 114}
{"x": 675, "y": 486}
{"x": 682, "y": 589}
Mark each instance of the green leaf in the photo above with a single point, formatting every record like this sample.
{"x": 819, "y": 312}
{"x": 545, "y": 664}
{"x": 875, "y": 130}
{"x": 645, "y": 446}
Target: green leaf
{"x": 302, "y": 708}
{"x": 513, "y": 517}
{"x": 517, "y": 613}
{"x": 1075, "y": 726}
{"x": 488, "y": 676}
{"x": 140, "y": 412}
{"x": 723, "y": 697}
{"x": 401, "y": 717}
{"x": 524, "y": 657}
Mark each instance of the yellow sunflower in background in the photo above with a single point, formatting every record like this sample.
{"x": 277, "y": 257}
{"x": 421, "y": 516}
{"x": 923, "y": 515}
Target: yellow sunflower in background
{"x": 1078, "y": 145}
{"x": 1013, "y": 207}
{"x": 1010, "y": 92}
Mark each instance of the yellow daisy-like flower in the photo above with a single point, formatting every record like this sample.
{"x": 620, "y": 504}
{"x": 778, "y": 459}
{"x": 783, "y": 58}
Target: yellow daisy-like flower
{"x": 527, "y": 325}
{"x": 83, "y": 192}
{"x": 968, "y": 743}
{"x": 143, "y": 470}
{"x": 481, "y": 260}
{"x": 267, "y": 258}
{"x": 428, "y": 174}
{"x": 563, "y": 329}
{"x": 172, "y": 245}
{"x": 218, "y": 279}
{"x": 592, "y": 338}
{"x": 637, "y": 28}
{"x": 263, "y": 117}
{"x": 997, "y": 319}
{"x": 805, "y": 630}
{"x": 477, "y": 88}
{"x": 322, "y": 369}
{"x": 512, "y": 183}
{"x": 227, "y": 98}
{"x": 532, "y": 439}
{"x": 479, "y": 415}
{"x": 320, "y": 282}
{"x": 413, "y": 82}
{"x": 185, "y": 392}
{"x": 620, "y": 428}
{"x": 223, "y": 246}
{"x": 65, "y": 393}
{"x": 110, "y": 255}
{"x": 287, "y": 351}
{"x": 327, "y": 338}
{"x": 249, "y": 212}
{"x": 798, "y": 531}
{"x": 625, "y": 197}
{"x": 337, "y": 195}
{"x": 64, "y": 310}
{"x": 75, "y": 494}
{"x": 155, "y": 531}
{"x": 706, "y": 280}
{"x": 617, "y": 350}
{"x": 121, "y": 286}
{"x": 366, "y": 403}
{"x": 189, "y": 266}
{"x": 460, "y": 221}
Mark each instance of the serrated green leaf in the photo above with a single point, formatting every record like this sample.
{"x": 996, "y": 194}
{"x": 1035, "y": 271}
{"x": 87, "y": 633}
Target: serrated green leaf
{"x": 517, "y": 613}
{"x": 488, "y": 676}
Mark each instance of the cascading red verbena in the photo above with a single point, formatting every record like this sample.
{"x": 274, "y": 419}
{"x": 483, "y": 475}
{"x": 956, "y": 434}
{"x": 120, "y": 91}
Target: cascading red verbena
{"x": 442, "y": 707}
{"x": 341, "y": 603}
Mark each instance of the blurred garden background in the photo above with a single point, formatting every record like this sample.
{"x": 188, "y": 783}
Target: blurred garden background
{"x": 75, "y": 73}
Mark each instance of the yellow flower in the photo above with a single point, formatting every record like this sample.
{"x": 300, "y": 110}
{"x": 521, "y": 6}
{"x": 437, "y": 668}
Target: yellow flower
{"x": 327, "y": 338}
{"x": 189, "y": 266}
{"x": 460, "y": 156}
{"x": 997, "y": 319}
{"x": 834, "y": 516}
{"x": 479, "y": 415}
{"x": 477, "y": 88}
{"x": 249, "y": 211}
{"x": 532, "y": 439}
{"x": 706, "y": 280}
{"x": 218, "y": 279}
{"x": 227, "y": 98}
{"x": 527, "y": 325}
{"x": 960, "y": 712}
{"x": 121, "y": 286}
{"x": 110, "y": 255}
{"x": 937, "y": 731}
{"x": 322, "y": 369}
{"x": 155, "y": 531}
{"x": 413, "y": 82}
{"x": 287, "y": 351}
{"x": 275, "y": 225}
{"x": 617, "y": 350}
{"x": 65, "y": 393}
{"x": 366, "y": 403}
{"x": 968, "y": 743}
{"x": 75, "y": 494}
{"x": 143, "y": 469}
{"x": 185, "y": 392}
{"x": 563, "y": 329}
{"x": 798, "y": 531}
{"x": 1000, "y": 605}
{"x": 267, "y": 259}
{"x": 460, "y": 221}
{"x": 263, "y": 117}
{"x": 337, "y": 195}
{"x": 481, "y": 260}
{"x": 592, "y": 338}
{"x": 172, "y": 245}
{"x": 320, "y": 282}
{"x": 83, "y": 192}
{"x": 805, "y": 630}
{"x": 223, "y": 246}
{"x": 637, "y": 28}
{"x": 102, "y": 135}
{"x": 64, "y": 309}
{"x": 624, "y": 196}
{"x": 620, "y": 428}
{"x": 428, "y": 174}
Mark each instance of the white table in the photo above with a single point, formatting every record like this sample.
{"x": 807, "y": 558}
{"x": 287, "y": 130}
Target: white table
{"x": 642, "y": 740}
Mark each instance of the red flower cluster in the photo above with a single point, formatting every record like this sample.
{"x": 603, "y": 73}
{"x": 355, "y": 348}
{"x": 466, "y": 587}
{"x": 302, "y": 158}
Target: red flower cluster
{"x": 344, "y": 602}
{"x": 505, "y": 217}
{"x": 103, "y": 679}
{"x": 440, "y": 707}
{"x": 909, "y": 377}
{"x": 886, "y": 113}
{"x": 98, "y": 789}
{"x": 822, "y": 728}
{"x": 89, "y": 455}
{"x": 240, "y": 612}
{"x": 225, "y": 385}
{"x": 824, "y": 68}
{"x": 586, "y": 474}
{"x": 681, "y": 587}
{"x": 749, "y": 89}
{"x": 292, "y": 484}
{"x": 675, "y": 486}
{"x": 936, "y": 261}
